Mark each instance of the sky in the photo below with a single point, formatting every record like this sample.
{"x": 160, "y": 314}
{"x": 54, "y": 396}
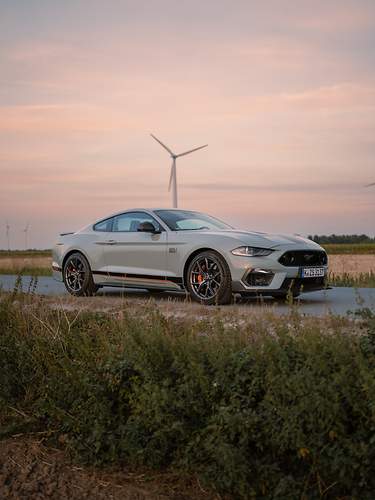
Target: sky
{"x": 283, "y": 92}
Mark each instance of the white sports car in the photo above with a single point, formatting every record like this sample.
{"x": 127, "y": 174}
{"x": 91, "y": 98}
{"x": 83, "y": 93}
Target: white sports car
{"x": 172, "y": 249}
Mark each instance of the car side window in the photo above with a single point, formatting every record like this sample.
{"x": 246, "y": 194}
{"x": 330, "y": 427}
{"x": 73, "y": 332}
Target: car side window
{"x": 130, "y": 221}
{"x": 104, "y": 225}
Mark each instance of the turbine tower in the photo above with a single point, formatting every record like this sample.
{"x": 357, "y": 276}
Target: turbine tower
{"x": 173, "y": 175}
{"x": 7, "y": 233}
{"x": 26, "y": 231}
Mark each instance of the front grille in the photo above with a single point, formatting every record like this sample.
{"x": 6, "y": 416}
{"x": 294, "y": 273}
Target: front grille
{"x": 295, "y": 258}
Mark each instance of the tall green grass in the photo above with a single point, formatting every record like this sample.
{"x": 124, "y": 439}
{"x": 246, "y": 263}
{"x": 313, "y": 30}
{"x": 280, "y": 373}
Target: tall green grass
{"x": 270, "y": 409}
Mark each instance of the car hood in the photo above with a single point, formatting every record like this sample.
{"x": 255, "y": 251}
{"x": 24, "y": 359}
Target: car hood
{"x": 266, "y": 240}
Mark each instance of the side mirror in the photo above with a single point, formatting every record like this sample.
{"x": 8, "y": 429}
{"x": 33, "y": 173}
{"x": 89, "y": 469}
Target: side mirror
{"x": 148, "y": 227}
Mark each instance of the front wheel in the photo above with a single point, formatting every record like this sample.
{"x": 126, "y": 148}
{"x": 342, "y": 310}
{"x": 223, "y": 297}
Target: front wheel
{"x": 209, "y": 280}
{"x": 77, "y": 276}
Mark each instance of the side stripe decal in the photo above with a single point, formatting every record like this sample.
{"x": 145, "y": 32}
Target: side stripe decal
{"x": 173, "y": 279}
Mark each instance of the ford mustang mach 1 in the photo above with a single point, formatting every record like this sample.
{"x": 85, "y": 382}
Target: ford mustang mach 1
{"x": 181, "y": 250}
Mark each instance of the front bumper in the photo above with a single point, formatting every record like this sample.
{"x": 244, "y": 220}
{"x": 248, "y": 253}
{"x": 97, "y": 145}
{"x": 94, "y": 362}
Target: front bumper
{"x": 282, "y": 278}
{"x": 288, "y": 285}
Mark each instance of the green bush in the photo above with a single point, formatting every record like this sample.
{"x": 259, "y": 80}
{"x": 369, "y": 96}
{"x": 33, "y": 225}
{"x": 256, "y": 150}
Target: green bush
{"x": 284, "y": 409}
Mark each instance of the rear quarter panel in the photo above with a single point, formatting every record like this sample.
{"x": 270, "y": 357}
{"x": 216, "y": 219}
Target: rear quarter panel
{"x": 85, "y": 243}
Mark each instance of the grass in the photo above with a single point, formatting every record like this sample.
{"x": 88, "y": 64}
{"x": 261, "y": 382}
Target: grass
{"x": 26, "y": 253}
{"x": 27, "y": 271}
{"x": 343, "y": 248}
{"x": 30, "y": 262}
{"x": 361, "y": 280}
{"x": 266, "y": 408}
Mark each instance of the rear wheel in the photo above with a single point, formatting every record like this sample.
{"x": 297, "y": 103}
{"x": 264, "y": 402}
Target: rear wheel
{"x": 209, "y": 280}
{"x": 77, "y": 276}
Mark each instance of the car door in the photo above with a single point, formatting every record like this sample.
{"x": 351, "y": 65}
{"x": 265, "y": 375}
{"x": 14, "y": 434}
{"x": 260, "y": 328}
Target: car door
{"x": 136, "y": 258}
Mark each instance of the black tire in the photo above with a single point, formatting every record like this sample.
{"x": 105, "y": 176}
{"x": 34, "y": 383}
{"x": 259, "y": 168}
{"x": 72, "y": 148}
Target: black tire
{"x": 208, "y": 279}
{"x": 77, "y": 276}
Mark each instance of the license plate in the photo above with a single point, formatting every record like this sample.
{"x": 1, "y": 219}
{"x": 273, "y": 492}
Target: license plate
{"x": 313, "y": 272}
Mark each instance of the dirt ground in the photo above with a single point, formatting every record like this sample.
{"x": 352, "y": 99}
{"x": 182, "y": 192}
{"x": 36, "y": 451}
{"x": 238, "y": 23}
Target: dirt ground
{"x": 30, "y": 470}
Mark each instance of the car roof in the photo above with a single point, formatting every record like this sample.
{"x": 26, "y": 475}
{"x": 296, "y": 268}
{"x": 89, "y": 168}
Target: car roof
{"x": 143, "y": 209}
{"x": 139, "y": 209}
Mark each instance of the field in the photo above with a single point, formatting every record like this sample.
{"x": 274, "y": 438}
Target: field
{"x": 350, "y": 265}
{"x": 147, "y": 403}
{"x": 362, "y": 248}
{"x": 34, "y": 262}
{"x": 352, "y": 270}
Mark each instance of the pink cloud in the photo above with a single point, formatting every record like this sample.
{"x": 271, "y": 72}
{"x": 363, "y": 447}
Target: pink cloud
{"x": 60, "y": 118}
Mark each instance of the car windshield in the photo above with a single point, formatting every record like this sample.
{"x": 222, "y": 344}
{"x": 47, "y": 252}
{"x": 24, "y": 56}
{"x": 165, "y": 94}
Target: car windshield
{"x": 183, "y": 220}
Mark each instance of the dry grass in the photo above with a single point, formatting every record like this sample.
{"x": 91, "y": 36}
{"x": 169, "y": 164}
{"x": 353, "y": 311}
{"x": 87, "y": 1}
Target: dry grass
{"x": 30, "y": 264}
{"x": 351, "y": 264}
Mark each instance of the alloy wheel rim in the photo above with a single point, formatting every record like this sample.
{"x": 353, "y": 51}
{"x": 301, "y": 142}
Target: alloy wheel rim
{"x": 75, "y": 274}
{"x": 205, "y": 278}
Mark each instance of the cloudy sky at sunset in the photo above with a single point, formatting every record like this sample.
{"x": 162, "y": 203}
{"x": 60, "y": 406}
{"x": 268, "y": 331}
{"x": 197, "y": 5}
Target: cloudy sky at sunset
{"x": 283, "y": 91}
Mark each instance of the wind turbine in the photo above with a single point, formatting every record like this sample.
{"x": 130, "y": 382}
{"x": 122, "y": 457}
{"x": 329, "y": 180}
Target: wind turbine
{"x": 7, "y": 233}
{"x": 26, "y": 231}
{"x": 173, "y": 175}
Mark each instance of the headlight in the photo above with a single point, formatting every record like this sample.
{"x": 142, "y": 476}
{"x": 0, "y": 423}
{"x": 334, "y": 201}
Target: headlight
{"x": 251, "y": 251}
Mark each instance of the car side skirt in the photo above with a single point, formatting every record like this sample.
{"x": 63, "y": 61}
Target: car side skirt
{"x": 139, "y": 280}
{"x": 129, "y": 280}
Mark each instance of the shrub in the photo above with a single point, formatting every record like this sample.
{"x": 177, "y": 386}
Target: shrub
{"x": 282, "y": 409}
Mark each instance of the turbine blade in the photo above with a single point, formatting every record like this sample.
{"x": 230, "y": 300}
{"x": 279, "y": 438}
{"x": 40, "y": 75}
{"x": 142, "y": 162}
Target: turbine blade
{"x": 171, "y": 176}
{"x": 161, "y": 144}
{"x": 369, "y": 185}
{"x": 191, "y": 151}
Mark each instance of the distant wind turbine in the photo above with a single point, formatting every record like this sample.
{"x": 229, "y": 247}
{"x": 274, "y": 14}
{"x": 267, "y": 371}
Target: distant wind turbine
{"x": 7, "y": 233}
{"x": 26, "y": 231}
{"x": 173, "y": 175}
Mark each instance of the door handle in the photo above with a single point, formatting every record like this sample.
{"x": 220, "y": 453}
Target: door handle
{"x": 106, "y": 242}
